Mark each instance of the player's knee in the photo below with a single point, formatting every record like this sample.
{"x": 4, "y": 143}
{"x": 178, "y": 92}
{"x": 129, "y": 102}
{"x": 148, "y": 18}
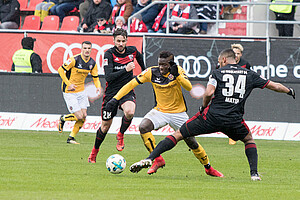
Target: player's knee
{"x": 129, "y": 115}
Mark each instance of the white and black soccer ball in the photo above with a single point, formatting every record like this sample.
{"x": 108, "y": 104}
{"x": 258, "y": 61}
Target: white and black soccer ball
{"x": 115, "y": 164}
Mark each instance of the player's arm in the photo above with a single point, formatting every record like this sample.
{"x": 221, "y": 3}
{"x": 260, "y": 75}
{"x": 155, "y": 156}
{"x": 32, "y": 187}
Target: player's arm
{"x": 126, "y": 89}
{"x": 183, "y": 80}
{"x": 210, "y": 90}
{"x": 278, "y": 87}
{"x": 66, "y": 67}
{"x": 110, "y": 75}
{"x": 95, "y": 77}
{"x": 140, "y": 60}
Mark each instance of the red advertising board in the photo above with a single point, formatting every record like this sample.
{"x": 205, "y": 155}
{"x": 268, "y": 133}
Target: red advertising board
{"x": 54, "y": 49}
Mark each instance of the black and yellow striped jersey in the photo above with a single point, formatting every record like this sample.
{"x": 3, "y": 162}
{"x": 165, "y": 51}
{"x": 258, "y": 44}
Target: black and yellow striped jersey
{"x": 167, "y": 90}
{"x": 75, "y": 70}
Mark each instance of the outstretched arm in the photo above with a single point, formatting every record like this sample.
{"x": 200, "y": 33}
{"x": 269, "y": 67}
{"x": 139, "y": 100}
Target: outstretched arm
{"x": 210, "y": 90}
{"x": 126, "y": 88}
{"x": 278, "y": 87}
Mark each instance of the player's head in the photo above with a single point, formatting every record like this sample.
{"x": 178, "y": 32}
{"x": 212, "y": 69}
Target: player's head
{"x": 238, "y": 50}
{"x": 226, "y": 56}
{"x": 120, "y": 39}
{"x": 86, "y": 49}
{"x": 164, "y": 61}
{"x": 28, "y": 43}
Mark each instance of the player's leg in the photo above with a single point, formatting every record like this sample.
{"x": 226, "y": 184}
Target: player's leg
{"x": 81, "y": 116}
{"x": 128, "y": 108}
{"x": 177, "y": 120}
{"x": 251, "y": 153}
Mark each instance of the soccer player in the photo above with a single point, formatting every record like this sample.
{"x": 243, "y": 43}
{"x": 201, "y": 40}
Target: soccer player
{"x": 73, "y": 73}
{"x": 231, "y": 85}
{"x": 118, "y": 68}
{"x": 167, "y": 79}
{"x": 238, "y": 50}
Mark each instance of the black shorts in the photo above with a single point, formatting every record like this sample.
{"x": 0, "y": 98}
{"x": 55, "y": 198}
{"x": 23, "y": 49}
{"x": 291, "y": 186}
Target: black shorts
{"x": 128, "y": 97}
{"x": 199, "y": 126}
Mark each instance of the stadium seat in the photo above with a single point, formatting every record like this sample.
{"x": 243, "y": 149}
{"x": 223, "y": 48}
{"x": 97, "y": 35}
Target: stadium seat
{"x": 50, "y": 23}
{"x": 70, "y": 23}
{"x": 32, "y": 5}
{"x": 31, "y": 22}
{"x": 23, "y": 4}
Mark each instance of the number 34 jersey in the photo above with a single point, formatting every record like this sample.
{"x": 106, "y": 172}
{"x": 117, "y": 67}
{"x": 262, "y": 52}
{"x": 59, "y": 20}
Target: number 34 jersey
{"x": 233, "y": 86}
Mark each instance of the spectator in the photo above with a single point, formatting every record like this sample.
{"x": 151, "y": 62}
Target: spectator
{"x": 149, "y": 15}
{"x": 123, "y": 8}
{"x": 160, "y": 21}
{"x": 97, "y": 10}
{"x": 232, "y": 9}
{"x": 208, "y": 11}
{"x": 120, "y": 23}
{"x": 102, "y": 26}
{"x": 286, "y": 13}
{"x": 83, "y": 7}
{"x": 9, "y": 14}
{"x": 184, "y": 11}
{"x": 138, "y": 25}
{"x": 63, "y": 7}
{"x": 42, "y": 9}
{"x": 25, "y": 59}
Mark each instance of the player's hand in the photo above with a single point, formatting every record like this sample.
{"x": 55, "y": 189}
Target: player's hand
{"x": 292, "y": 93}
{"x": 130, "y": 66}
{"x": 173, "y": 68}
{"x": 111, "y": 105}
{"x": 72, "y": 87}
{"x": 201, "y": 109}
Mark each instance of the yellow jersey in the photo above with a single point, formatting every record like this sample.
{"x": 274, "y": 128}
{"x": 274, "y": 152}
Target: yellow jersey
{"x": 167, "y": 90}
{"x": 75, "y": 70}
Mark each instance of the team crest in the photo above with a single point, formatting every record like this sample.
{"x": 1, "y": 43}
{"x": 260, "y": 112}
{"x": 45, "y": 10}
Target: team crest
{"x": 130, "y": 57}
{"x": 105, "y": 61}
{"x": 171, "y": 77}
{"x": 90, "y": 67}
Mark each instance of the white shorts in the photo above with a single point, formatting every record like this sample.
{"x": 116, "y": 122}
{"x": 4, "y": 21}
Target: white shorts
{"x": 76, "y": 101}
{"x": 160, "y": 119}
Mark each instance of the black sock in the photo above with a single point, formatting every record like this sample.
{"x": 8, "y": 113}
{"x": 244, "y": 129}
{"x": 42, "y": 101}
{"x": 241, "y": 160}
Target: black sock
{"x": 125, "y": 124}
{"x": 168, "y": 143}
{"x": 100, "y": 136}
{"x": 251, "y": 153}
{"x": 207, "y": 166}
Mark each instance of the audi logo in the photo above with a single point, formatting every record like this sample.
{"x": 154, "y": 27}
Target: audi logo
{"x": 194, "y": 66}
{"x": 68, "y": 53}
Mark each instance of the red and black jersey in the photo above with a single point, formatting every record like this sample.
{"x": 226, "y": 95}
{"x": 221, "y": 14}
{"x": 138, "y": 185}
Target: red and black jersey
{"x": 233, "y": 86}
{"x": 244, "y": 64}
{"x": 116, "y": 75}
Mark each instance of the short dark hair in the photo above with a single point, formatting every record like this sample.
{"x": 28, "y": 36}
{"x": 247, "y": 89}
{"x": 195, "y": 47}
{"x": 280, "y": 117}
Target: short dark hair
{"x": 120, "y": 31}
{"x": 166, "y": 54}
{"x": 86, "y": 42}
{"x": 227, "y": 53}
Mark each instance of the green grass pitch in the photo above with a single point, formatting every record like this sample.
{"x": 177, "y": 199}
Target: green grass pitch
{"x": 41, "y": 165}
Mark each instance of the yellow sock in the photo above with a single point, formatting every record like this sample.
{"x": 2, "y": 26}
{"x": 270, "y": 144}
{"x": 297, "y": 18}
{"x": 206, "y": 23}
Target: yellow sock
{"x": 149, "y": 141}
{"x": 201, "y": 155}
{"x": 77, "y": 127}
{"x": 70, "y": 117}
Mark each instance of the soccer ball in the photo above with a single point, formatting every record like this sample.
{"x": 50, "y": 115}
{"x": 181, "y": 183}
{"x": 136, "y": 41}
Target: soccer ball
{"x": 115, "y": 164}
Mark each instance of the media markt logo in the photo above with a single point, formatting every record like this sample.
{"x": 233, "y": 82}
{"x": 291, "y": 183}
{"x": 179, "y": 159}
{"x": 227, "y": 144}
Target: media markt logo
{"x": 7, "y": 122}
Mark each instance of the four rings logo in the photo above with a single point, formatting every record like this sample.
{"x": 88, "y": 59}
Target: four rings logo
{"x": 194, "y": 66}
{"x": 68, "y": 53}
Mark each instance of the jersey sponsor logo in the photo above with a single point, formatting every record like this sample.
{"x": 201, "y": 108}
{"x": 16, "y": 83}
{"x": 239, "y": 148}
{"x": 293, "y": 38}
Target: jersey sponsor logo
{"x": 68, "y": 53}
{"x": 194, "y": 66}
{"x": 105, "y": 61}
{"x": 120, "y": 67}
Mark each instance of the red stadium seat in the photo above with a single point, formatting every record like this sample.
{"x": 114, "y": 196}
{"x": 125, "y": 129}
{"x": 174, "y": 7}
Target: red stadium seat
{"x": 31, "y": 22}
{"x": 23, "y": 4}
{"x": 50, "y": 23}
{"x": 70, "y": 23}
{"x": 32, "y": 5}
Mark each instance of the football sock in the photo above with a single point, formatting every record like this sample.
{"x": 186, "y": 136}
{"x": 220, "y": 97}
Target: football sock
{"x": 70, "y": 117}
{"x": 166, "y": 144}
{"x": 251, "y": 153}
{"x": 77, "y": 126}
{"x": 125, "y": 124}
{"x": 100, "y": 136}
{"x": 201, "y": 155}
{"x": 149, "y": 141}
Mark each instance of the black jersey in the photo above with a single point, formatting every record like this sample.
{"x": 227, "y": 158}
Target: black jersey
{"x": 244, "y": 64}
{"x": 233, "y": 86}
{"x": 116, "y": 75}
